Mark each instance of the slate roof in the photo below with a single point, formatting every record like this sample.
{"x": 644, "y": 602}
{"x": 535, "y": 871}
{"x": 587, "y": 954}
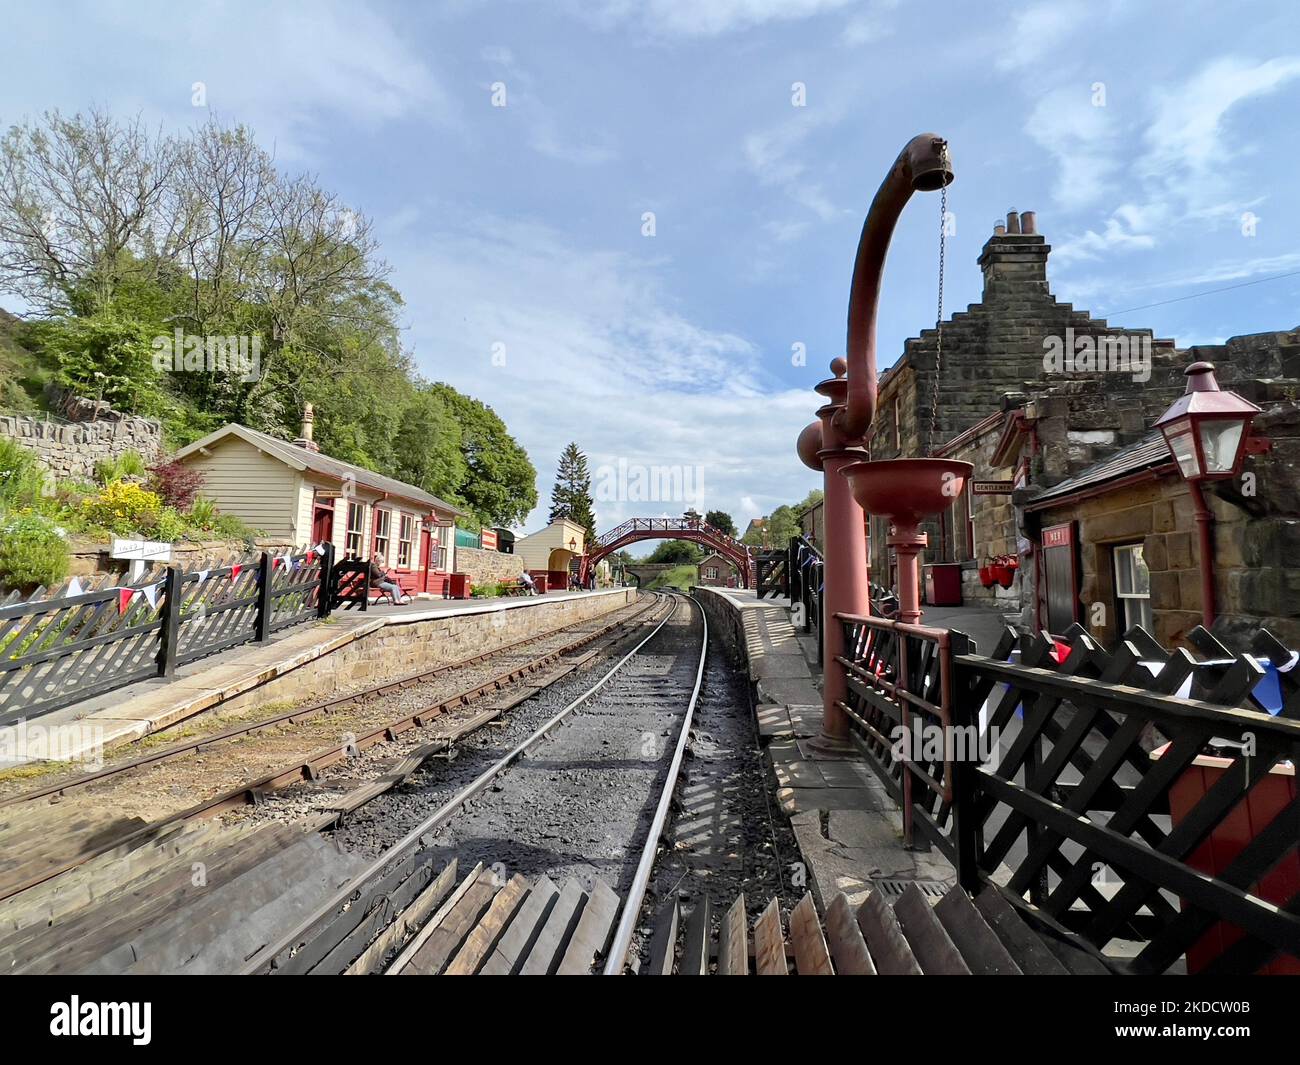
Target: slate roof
{"x": 318, "y": 462}
{"x": 1150, "y": 451}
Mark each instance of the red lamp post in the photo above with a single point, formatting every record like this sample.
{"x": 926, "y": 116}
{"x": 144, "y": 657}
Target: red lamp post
{"x": 904, "y": 490}
{"x": 1206, "y": 431}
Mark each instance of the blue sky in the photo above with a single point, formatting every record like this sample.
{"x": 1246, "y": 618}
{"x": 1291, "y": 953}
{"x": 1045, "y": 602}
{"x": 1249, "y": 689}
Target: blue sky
{"x": 523, "y": 225}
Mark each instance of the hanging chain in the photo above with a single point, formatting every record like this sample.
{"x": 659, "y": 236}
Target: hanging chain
{"x": 938, "y": 341}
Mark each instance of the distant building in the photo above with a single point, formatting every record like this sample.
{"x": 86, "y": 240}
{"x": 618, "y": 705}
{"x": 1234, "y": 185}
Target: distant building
{"x": 554, "y": 550}
{"x": 293, "y": 490}
{"x": 716, "y": 571}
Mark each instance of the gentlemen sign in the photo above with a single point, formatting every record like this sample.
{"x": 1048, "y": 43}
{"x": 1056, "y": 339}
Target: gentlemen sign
{"x": 992, "y": 488}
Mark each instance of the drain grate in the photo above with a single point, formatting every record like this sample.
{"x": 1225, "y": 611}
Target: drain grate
{"x": 892, "y": 889}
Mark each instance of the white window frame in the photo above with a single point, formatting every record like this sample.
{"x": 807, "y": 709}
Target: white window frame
{"x": 405, "y": 539}
{"x": 1135, "y": 606}
{"x": 354, "y": 537}
{"x": 382, "y": 532}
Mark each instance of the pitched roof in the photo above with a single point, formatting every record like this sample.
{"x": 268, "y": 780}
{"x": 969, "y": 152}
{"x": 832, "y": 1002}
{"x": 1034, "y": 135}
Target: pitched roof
{"x": 300, "y": 458}
{"x": 1150, "y": 451}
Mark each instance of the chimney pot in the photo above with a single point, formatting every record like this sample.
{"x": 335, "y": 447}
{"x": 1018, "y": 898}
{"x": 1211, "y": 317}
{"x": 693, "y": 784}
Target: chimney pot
{"x": 305, "y": 433}
{"x": 999, "y": 228}
{"x": 1029, "y": 222}
{"x": 1013, "y": 223}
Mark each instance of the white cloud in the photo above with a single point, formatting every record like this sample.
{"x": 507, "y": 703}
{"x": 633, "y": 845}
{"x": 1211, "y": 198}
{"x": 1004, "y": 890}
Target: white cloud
{"x": 705, "y": 18}
{"x": 1038, "y": 33}
{"x": 597, "y": 353}
{"x": 1082, "y": 138}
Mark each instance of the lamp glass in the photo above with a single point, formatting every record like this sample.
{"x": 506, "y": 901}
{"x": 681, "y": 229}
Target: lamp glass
{"x": 1220, "y": 441}
{"x": 1183, "y": 445}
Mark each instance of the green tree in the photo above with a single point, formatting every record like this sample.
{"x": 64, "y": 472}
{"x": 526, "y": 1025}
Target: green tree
{"x": 676, "y": 551}
{"x": 571, "y": 496}
{"x": 500, "y": 485}
{"x": 722, "y": 521}
{"x": 428, "y": 448}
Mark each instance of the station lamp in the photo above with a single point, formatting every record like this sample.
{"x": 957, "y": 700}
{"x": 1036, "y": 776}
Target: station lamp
{"x": 1206, "y": 428}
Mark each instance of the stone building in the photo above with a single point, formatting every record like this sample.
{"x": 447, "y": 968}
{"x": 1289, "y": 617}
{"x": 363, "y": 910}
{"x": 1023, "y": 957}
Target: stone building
{"x": 716, "y": 571}
{"x": 1072, "y": 486}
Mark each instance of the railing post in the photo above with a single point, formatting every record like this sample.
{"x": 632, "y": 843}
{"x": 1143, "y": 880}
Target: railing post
{"x": 325, "y": 599}
{"x": 264, "y": 599}
{"x": 169, "y": 630}
{"x": 964, "y": 716}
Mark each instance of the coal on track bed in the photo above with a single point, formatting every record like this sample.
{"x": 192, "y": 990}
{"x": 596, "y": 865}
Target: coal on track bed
{"x": 579, "y": 803}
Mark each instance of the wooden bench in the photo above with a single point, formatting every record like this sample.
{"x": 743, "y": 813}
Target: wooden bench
{"x": 352, "y": 580}
{"x": 515, "y": 587}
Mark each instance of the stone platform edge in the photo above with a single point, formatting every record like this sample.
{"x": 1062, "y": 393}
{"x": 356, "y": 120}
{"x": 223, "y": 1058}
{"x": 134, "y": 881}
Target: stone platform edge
{"x": 848, "y": 828}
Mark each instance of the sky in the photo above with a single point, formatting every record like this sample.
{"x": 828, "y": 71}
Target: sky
{"x": 631, "y": 223}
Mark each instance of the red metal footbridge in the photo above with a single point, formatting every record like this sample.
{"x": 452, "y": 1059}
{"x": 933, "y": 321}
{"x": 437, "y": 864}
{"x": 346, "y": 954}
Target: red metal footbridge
{"x": 695, "y": 530}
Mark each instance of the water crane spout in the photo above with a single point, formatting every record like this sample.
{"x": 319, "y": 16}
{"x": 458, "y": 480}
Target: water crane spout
{"x": 922, "y": 166}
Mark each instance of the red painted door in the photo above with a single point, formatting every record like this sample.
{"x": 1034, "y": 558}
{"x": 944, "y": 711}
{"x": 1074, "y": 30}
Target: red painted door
{"x": 426, "y": 545}
{"x": 322, "y": 523}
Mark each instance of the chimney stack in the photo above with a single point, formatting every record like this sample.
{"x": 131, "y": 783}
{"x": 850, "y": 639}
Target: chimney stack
{"x": 305, "y": 433}
{"x": 1014, "y": 259}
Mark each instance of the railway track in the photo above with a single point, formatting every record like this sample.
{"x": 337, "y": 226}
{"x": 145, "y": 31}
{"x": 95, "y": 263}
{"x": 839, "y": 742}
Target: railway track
{"x": 50, "y": 830}
{"x": 539, "y": 849}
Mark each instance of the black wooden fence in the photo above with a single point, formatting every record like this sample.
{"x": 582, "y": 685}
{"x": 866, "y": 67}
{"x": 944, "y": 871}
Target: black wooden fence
{"x": 1104, "y": 803}
{"x": 58, "y": 649}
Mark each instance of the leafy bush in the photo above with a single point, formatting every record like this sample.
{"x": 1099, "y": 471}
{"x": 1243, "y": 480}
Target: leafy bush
{"x": 22, "y": 478}
{"x": 123, "y": 508}
{"x": 203, "y": 513}
{"x": 170, "y": 526}
{"x": 127, "y": 464}
{"x": 175, "y": 484}
{"x": 32, "y": 551}
{"x": 104, "y": 356}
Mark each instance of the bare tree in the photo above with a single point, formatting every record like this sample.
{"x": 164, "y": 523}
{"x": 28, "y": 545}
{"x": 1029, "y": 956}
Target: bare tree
{"x": 84, "y": 203}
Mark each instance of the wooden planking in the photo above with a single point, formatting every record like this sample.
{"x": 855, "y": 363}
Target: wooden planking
{"x": 844, "y": 938}
{"x": 769, "y": 943}
{"x": 407, "y": 921}
{"x": 403, "y": 959}
{"x": 484, "y": 937}
{"x": 695, "y": 958}
{"x": 453, "y": 929}
{"x": 547, "y": 951}
{"x": 978, "y": 944}
{"x": 884, "y": 938}
{"x": 934, "y": 949}
{"x": 811, "y": 957}
{"x": 591, "y": 937}
{"x": 733, "y": 941}
{"x": 1028, "y": 951}
{"x": 523, "y": 930}
{"x": 663, "y": 942}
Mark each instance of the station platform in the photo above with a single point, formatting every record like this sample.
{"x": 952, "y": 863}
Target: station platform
{"x": 313, "y": 659}
{"x": 848, "y": 827}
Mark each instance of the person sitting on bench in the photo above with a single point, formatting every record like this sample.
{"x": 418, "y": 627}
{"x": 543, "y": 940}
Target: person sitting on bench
{"x": 526, "y": 581}
{"x": 380, "y": 579}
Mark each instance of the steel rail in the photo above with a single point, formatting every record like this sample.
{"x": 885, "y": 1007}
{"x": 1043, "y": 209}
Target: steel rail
{"x": 265, "y": 957}
{"x": 339, "y": 702}
{"x": 617, "y": 956}
{"x": 247, "y": 791}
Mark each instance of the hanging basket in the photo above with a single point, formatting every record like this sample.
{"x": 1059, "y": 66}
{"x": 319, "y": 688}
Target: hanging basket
{"x": 986, "y": 576}
{"x": 1005, "y": 575}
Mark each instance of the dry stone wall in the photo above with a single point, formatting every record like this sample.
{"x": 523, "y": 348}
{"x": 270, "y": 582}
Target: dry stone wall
{"x": 72, "y": 449}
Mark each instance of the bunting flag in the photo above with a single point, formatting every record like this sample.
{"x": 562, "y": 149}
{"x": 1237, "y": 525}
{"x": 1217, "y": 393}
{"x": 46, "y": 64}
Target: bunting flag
{"x": 74, "y": 587}
{"x": 234, "y": 571}
{"x": 124, "y": 597}
{"x": 276, "y": 561}
{"x": 202, "y": 575}
{"x": 150, "y": 592}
